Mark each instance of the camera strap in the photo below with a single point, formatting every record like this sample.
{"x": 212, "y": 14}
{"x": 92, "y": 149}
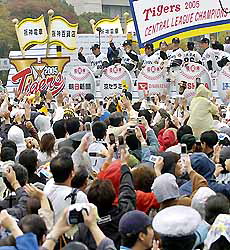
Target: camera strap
{"x": 72, "y": 196}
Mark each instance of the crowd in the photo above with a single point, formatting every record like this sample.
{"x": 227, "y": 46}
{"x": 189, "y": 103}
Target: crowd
{"x": 117, "y": 173}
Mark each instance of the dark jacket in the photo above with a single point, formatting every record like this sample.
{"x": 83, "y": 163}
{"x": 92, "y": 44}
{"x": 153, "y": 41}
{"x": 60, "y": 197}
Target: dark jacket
{"x": 205, "y": 167}
{"x": 109, "y": 223}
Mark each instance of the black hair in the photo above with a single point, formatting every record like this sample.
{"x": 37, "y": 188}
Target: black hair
{"x": 115, "y": 119}
{"x": 112, "y": 107}
{"x": 75, "y": 246}
{"x": 190, "y": 45}
{"x": 21, "y": 175}
{"x": 7, "y": 154}
{"x": 35, "y": 224}
{"x": 184, "y": 130}
{"x": 66, "y": 150}
{"x": 99, "y": 130}
{"x": 146, "y": 114}
{"x": 210, "y": 138}
{"x": 10, "y": 144}
{"x": 81, "y": 175}
{"x": 170, "y": 161}
{"x": 61, "y": 167}
{"x": 29, "y": 159}
{"x": 215, "y": 205}
{"x": 129, "y": 95}
{"x": 59, "y": 129}
{"x": 72, "y": 125}
{"x": 221, "y": 244}
{"x": 133, "y": 143}
{"x": 178, "y": 243}
{"x": 89, "y": 97}
{"x": 129, "y": 240}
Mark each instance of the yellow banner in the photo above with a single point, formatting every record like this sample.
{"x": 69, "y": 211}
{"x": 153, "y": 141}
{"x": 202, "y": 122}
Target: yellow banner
{"x": 109, "y": 26}
{"x": 63, "y": 33}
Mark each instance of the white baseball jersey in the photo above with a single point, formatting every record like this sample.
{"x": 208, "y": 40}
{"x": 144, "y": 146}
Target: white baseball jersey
{"x": 227, "y": 48}
{"x": 209, "y": 55}
{"x": 177, "y": 54}
{"x": 127, "y": 60}
{"x": 152, "y": 59}
{"x": 192, "y": 56}
{"x": 96, "y": 63}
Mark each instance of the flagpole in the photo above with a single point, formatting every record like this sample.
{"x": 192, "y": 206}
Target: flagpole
{"x": 92, "y": 22}
{"x": 15, "y": 22}
{"x": 50, "y": 14}
{"x": 126, "y": 15}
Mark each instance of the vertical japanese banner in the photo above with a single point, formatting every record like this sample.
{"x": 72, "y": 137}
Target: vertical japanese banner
{"x": 63, "y": 33}
{"x": 163, "y": 19}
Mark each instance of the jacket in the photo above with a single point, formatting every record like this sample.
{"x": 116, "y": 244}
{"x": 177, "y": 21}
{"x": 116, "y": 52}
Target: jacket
{"x": 109, "y": 223}
{"x": 205, "y": 167}
{"x": 201, "y": 111}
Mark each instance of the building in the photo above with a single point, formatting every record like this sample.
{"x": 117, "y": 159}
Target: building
{"x": 112, "y": 8}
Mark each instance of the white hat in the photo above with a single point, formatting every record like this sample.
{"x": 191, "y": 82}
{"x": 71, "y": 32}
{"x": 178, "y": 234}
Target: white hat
{"x": 176, "y": 221}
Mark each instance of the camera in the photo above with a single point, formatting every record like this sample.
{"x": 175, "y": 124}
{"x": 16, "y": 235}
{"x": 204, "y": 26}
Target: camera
{"x": 183, "y": 149}
{"x": 74, "y": 215}
{"x": 153, "y": 158}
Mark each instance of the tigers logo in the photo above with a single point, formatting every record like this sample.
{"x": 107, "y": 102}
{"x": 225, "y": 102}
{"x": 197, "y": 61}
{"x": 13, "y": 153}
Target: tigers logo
{"x": 34, "y": 75}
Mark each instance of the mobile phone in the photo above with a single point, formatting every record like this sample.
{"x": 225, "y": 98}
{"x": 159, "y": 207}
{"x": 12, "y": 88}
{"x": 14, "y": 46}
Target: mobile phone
{"x": 112, "y": 141}
{"x": 121, "y": 140}
{"x": 183, "y": 149}
{"x": 153, "y": 158}
{"x": 139, "y": 120}
{"x": 88, "y": 126}
{"x": 51, "y": 111}
{"x": 148, "y": 99}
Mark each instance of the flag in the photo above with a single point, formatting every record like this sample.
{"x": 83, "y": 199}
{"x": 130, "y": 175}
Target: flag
{"x": 63, "y": 33}
{"x": 109, "y": 26}
{"x": 31, "y": 31}
{"x": 130, "y": 27}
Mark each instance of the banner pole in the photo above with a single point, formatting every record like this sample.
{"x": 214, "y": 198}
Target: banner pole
{"x": 126, "y": 15}
{"x": 92, "y": 22}
{"x": 15, "y": 22}
{"x": 50, "y": 14}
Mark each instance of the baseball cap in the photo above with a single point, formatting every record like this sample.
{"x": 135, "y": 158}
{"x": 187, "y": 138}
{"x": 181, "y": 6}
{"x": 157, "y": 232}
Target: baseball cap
{"x": 175, "y": 40}
{"x": 95, "y": 46}
{"x": 227, "y": 38}
{"x": 205, "y": 40}
{"x": 149, "y": 46}
{"x": 134, "y": 222}
{"x": 176, "y": 221}
{"x": 127, "y": 42}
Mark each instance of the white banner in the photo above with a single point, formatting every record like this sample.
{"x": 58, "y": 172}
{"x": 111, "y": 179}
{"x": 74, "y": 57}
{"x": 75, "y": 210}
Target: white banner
{"x": 114, "y": 79}
{"x": 192, "y": 74}
{"x": 109, "y": 26}
{"x": 223, "y": 84}
{"x": 152, "y": 80}
{"x": 156, "y": 20}
{"x": 79, "y": 80}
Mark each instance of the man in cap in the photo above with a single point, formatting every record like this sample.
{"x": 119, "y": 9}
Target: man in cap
{"x": 227, "y": 44}
{"x": 191, "y": 55}
{"x": 150, "y": 57}
{"x": 180, "y": 228}
{"x": 129, "y": 58}
{"x": 98, "y": 61}
{"x": 177, "y": 54}
{"x": 136, "y": 231}
{"x": 208, "y": 57}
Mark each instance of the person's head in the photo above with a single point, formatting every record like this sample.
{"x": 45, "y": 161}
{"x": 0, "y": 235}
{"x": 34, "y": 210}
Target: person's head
{"x": 136, "y": 230}
{"x": 59, "y": 129}
{"x": 183, "y": 130}
{"x": 9, "y": 144}
{"x": 176, "y": 226}
{"x": 227, "y": 40}
{"x": 21, "y": 176}
{"x": 190, "y": 142}
{"x": 175, "y": 43}
{"x": 89, "y": 97}
{"x": 74, "y": 245}
{"x": 163, "y": 46}
{"x": 29, "y": 159}
{"x": 72, "y": 125}
{"x": 132, "y": 141}
{"x": 218, "y": 46}
{"x": 35, "y": 224}
{"x": 66, "y": 150}
{"x": 225, "y": 159}
{"x": 146, "y": 114}
{"x": 47, "y": 143}
{"x": 149, "y": 49}
{"x": 204, "y": 43}
{"x": 7, "y": 154}
{"x": 172, "y": 164}
{"x": 215, "y": 205}
{"x": 127, "y": 45}
{"x": 80, "y": 180}
{"x": 208, "y": 140}
{"x": 62, "y": 169}
{"x": 99, "y": 130}
{"x": 143, "y": 178}
{"x": 129, "y": 96}
{"x": 96, "y": 49}
{"x": 102, "y": 195}
{"x": 116, "y": 119}
{"x": 190, "y": 45}
{"x": 16, "y": 134}
{"x": 112, "y": 107}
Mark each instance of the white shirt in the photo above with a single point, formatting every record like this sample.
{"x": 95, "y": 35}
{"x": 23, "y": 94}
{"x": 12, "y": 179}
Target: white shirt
{"x": 209, "y": 55}
{"x": 177, "y": 54}
{"x": 127, "y": 60}
{"x": 192, "y": 56}
{"x": 57, "y": 195}
{"x": 96, "y": 63}
{"x": 227, "y": 48}
{"x": 151, "y": 60}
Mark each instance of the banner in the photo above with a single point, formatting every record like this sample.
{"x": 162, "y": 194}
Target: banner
{"x": 63, "y": 33}
{"x": 192, "y": 74}
{"x": 109, "y": 26}
{"x": 152, "y": 80}
{"x": 130, "y": 27}
{"x": 79, "y": 80}
{"x": 114, "y": 80}
{"x": 223, "y": 84}
{"x": 33, "y": 75}
{"x": 156, "y": 20}
{"x": 31, "y": 31}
